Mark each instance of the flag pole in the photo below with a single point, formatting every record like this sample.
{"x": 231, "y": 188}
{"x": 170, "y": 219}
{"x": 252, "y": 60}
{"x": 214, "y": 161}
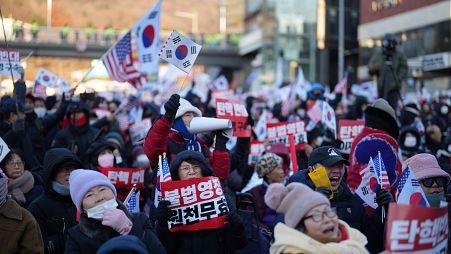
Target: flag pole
{"x": 86, "y": 74}
{"x": 130, "y": 193}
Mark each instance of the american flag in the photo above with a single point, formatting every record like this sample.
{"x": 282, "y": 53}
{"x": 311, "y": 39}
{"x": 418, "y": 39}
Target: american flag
{"x": 132, "y": 201}
{"x": 316, "y": 111}
{"x": 381, "y": 172}
{"x": 409, "y": 189}
{"x": 119, "y": 61}
{"x": 163, "y": 175}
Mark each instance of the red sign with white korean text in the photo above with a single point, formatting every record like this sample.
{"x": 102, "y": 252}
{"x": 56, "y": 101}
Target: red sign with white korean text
{"x": 417, "y": 229}
{"x": 237, "y": 113}
{"x": 348, "y": 130}
{"x": 196, "y": 204}
{"x": 256, "y": 150}
{"x": 125, "y": 177}
{"x": 279, "y": 133}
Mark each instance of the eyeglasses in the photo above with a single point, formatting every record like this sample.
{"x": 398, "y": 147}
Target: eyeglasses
{"x": 440, "y": 181}
{"x": 14, "y": 163}
{"x": 319, "y": 216}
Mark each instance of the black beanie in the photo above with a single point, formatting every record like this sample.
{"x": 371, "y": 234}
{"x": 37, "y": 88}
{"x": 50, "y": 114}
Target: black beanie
{"x": 380, "y": 115}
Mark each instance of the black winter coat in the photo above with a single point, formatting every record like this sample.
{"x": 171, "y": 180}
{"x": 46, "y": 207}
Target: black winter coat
{"x": 76, "y": 139}
{"x": 90, "y": 234}
{"x": 54, "y": 213}
{"x": 208, "y": 241}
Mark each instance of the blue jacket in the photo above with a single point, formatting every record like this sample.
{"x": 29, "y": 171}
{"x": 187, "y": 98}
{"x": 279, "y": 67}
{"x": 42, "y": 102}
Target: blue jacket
{"x": 351, "y": 210}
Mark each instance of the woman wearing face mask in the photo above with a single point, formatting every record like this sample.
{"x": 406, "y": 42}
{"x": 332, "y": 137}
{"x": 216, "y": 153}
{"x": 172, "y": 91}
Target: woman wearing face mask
{"x": 188, "y": 165}
{"x": 102, "y": 217}
{"x": 410, "y": 142}
{"x": 22, "y": 185}
{"x": 311, "y": 225}
{"x": 433, "y": 180}
{"x": 269, "y": 167}
{"x": 101, "y": 157}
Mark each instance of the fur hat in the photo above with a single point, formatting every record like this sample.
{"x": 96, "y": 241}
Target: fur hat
{"x": 82, "y": 180}
{"x": 425, "y": 165}
{"x": 186, "y": 106}
{"x": 267, "y": 163}
{"x": 294, "y": 200}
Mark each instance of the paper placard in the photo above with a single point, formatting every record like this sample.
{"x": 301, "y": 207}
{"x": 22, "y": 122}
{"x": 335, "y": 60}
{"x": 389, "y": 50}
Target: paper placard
{"x": 196, "y": 204}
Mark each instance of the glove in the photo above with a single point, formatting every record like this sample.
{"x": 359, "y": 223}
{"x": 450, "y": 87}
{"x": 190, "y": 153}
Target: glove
{"x": 163, "y": 213}
{"x": 171, "y": 107}
{"x": 19, "y": 126}
{"x": 235, "y": 222}
{"x": 221, "y": 138}
{"x": 383, "y": 196}
{"x": 324, "y": 190}
{"x": 117, "y": 220}
{"x": 20, "y": 89}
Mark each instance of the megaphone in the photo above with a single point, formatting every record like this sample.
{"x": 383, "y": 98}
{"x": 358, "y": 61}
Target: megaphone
{"x": 205, "y": 124}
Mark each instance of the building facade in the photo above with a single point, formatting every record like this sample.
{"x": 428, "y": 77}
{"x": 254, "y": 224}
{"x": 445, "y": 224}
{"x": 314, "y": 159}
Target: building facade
{"x": 422, "y": 29}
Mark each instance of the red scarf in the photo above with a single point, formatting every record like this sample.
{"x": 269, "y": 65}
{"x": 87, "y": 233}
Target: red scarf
{"x": 79, "y": 122}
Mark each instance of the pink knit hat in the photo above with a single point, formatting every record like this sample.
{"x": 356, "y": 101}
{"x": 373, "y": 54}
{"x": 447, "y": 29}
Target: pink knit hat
{"x": 294, "y": 200}
{"x": 425, "y": 165}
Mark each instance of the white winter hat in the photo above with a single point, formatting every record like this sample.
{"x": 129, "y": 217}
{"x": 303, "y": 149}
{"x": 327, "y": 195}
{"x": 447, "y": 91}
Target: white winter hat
{"x": 186, "y": 106}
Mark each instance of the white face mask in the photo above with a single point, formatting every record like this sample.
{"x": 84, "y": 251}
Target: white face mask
{"x": 444, "y": 110}
{"x": 319, "y": 141}
{"x": 96, "y": 212}
{"x": 118, "y": 159}
{"x": 40, "y": 112}
{"x": 410, "y": 142}
{"x": 106, "y": 160}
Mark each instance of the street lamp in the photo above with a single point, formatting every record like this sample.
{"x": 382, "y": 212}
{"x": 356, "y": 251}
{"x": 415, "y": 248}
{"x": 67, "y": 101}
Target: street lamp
{"x": 194, "y": 19}
{"x": 49, "y": 13}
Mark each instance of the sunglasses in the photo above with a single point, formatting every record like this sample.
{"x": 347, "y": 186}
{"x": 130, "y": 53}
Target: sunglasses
{"x": 440, "y": 181}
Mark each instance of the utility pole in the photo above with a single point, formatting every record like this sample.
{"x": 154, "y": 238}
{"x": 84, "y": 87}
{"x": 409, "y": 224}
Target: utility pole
{"x": 341, "y": 38}
{"x": 49, "y": 13}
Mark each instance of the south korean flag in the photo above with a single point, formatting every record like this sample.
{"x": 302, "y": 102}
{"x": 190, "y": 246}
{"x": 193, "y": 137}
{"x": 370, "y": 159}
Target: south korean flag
{"x": 180, "y": 51}
{"x": 46, "y": 78}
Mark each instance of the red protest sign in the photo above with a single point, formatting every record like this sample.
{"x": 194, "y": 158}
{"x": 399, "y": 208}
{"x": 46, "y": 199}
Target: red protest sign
{"x": 348, "y": 130}
{"x": 278, "y": 133}
{"x": 256, "y": 150}
{"x": 125, "y": 177}
{"x": 196, "y": 204}
{"x": 417, "y": 229}
{"x": 236, "y": 112}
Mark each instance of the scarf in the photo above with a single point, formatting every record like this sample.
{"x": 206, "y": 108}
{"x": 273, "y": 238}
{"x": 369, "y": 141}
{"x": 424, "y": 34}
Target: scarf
{"x": 3, "y": 188}
{"x": 20, "y": 186}
{"x": 191, "y": 142}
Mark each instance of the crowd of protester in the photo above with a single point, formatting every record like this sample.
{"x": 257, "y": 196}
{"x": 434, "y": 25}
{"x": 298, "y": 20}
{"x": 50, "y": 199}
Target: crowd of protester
{"x": 55, "y": 199}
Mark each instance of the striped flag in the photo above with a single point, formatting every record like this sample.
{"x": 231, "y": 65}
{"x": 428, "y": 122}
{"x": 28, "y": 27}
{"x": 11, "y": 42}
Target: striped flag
{"x": 119, "y": 61}
{"x": 381, "y": 172}
{"x": 365, "y": 190}
{"x": 163, "y": 175}
{"x": 132, "y": 200}
{"x": 409, "y": 189}
{"x": 315, "y": 113}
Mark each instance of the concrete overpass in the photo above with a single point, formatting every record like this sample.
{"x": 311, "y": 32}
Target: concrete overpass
{"x": 48, "y": 42}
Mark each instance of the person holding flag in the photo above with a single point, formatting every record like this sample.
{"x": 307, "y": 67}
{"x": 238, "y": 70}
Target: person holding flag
{"x": 432, "y": 179}
{"x": 170, "y": 135}
{"x": 189, "y": 165}
{"x": 103, "y": 216}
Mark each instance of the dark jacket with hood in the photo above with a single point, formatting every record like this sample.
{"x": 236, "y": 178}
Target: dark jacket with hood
{"x": 55, "y": 213}
{"x": 351, "y": 210}
{"x": 38, "y": 128}
{"x": 77, "y": 139}
{"x": 208, "y": 241}
{"x": 89, "y": 235}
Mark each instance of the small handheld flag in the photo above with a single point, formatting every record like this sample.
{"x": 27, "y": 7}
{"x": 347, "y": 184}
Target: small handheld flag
{"x": 46, "y": 78}
{"x": 132, "y": 200}
{"x": 409, "y": 189}
{"x": 163, "y": 175}
{"x": 180, "y": 51}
